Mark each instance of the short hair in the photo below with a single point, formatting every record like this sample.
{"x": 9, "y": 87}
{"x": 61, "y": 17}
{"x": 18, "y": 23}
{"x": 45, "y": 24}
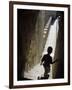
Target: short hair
{"x": 49, "y": 50}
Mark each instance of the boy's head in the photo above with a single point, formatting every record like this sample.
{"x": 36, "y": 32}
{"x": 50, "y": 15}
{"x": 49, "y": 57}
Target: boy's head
{"x": 49, "y": 50}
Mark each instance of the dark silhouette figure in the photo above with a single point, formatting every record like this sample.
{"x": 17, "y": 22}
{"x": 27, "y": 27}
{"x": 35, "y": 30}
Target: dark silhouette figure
{"x": 46, "y": 61}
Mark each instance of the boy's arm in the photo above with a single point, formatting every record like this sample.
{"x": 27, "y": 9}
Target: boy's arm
{"x": 54, "y": 61}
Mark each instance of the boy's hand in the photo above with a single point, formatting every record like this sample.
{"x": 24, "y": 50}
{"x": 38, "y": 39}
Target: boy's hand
{"x": 56, "y": 60}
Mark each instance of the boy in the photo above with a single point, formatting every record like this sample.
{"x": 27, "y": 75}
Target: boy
{"x": 46, "y": 61}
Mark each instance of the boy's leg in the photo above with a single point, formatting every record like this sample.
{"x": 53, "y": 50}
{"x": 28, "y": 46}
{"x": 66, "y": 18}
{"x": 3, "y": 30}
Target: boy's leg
{"x": 46, "y": 71}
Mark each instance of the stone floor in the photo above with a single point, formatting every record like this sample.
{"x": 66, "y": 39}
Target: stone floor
{"x": 34, "y": 73}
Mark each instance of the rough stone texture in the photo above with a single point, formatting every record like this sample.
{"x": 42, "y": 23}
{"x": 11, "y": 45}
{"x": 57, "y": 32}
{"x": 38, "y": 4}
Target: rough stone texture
{"x": 58, "y": 67}
{"x": 30, "y": 39}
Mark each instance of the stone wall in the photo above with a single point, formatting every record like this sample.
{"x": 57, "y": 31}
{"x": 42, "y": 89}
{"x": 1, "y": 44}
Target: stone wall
{"x": 30, "y": 39}
{"x": 58, "y": 67}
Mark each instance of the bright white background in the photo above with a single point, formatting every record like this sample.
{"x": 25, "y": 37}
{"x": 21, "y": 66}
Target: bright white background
{"x": 4, "y": 45}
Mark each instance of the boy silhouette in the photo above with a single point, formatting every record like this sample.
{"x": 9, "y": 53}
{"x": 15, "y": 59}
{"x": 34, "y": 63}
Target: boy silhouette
{"x": 46, "y": 61}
